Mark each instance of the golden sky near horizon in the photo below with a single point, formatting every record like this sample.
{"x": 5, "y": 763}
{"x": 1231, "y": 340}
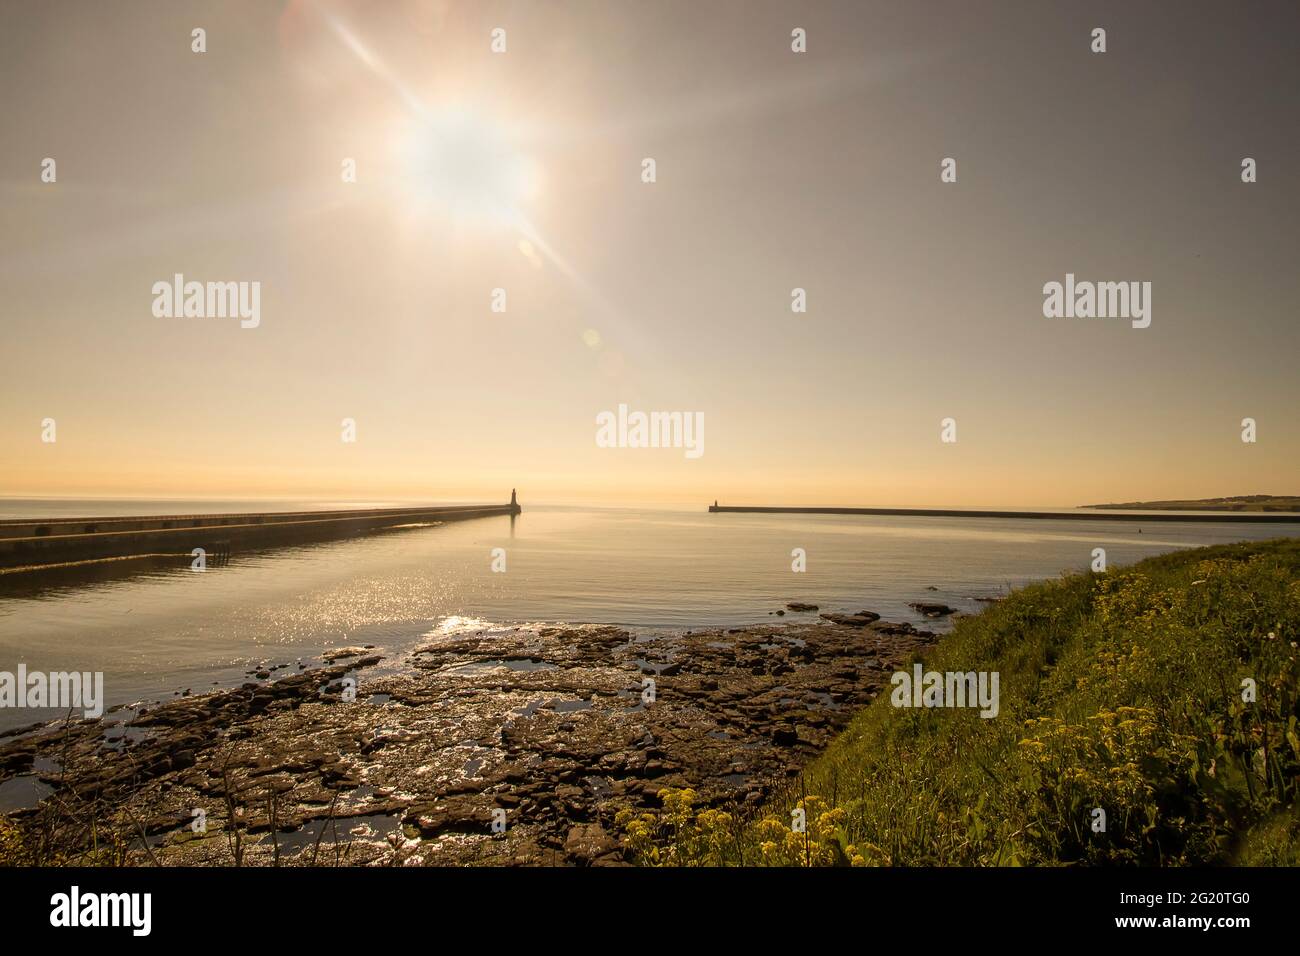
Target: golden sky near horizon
{"x": 522, "y": 170}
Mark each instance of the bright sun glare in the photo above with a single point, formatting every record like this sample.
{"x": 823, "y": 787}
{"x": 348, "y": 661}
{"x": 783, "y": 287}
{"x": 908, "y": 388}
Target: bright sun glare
{"x": 461, "y": 165}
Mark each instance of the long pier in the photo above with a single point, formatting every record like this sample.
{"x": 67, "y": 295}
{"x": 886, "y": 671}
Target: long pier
{"x": 60, "y": 541}
{"x": 1254, "y": 518}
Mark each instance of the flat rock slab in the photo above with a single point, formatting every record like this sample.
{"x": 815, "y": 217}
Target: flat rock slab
{"x": 513, "y": 746}
{"x": 931, "y": 609}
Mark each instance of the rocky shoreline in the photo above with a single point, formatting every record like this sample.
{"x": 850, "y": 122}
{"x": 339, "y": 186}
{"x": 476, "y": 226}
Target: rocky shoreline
{"x": 511, "y": 746}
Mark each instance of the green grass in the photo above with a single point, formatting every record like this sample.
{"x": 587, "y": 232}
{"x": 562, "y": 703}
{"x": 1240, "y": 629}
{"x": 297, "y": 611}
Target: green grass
{"x": 1120, "y": 691}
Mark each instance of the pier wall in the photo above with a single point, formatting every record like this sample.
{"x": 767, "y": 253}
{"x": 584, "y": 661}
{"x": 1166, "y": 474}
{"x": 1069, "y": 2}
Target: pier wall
{"x": 58, "y": 541}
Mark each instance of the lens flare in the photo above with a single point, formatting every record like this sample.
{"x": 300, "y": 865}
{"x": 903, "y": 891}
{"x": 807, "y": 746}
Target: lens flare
{"x": 461, "y": 165}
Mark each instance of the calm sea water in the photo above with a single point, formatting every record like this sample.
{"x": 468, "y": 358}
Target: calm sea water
{"x": 156, "y": 633}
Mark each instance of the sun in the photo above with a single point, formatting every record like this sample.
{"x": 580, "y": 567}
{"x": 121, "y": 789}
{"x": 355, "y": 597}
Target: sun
{"x": 464, "y": 166}
{"x": 455, "y": 164}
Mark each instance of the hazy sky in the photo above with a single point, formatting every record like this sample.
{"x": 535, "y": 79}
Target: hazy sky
{"x": 522, "y": 170}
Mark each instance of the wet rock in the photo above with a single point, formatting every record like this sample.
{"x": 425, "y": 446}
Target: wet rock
{"x": 16, "y": 760}
{"x": 785, "y": 736}
{"x": 454, "y": 743}
{"x": 588, "y": 842}
{"x": 860, "y": 619}
{"x": 468, "y": 815}
{"x": 569, "y": 794}
{"x": 893, "y": 628}
{"x": 339, "y": 653}
{"x": 800, "y": 606}
{"x": 932, "y": 610}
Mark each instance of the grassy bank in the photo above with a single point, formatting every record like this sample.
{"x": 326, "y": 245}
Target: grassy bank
{"x": 1126, "y": 692}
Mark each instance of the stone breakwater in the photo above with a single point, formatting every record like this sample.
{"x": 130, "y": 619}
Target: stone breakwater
{"x": 549, "y": 724}
{"x": 34, "y": 547}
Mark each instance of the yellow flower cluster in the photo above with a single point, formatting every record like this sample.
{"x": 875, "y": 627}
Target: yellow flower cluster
{"x": 679, "y": 835}
{"x": 1129, "y": 601}
{"x": 1102, "y": 759}
{"x": 822, "y": 841}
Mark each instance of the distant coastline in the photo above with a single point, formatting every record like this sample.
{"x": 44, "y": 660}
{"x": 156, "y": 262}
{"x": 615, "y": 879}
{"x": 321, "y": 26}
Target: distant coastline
{"x": 1256, "y": 503}
{"x": 1080, "y": 515}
